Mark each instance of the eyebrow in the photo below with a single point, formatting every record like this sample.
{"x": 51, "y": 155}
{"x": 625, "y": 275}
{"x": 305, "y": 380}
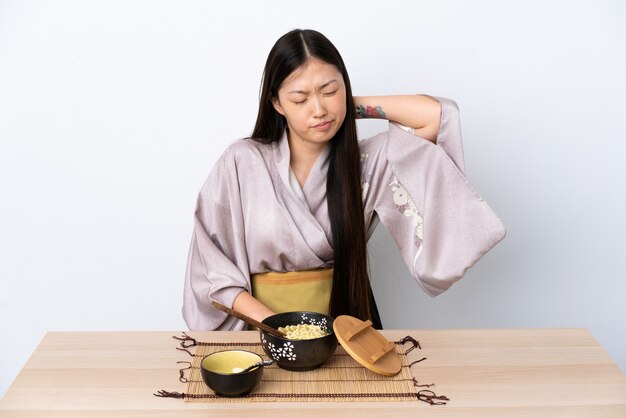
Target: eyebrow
{"x": 306, "y": 92}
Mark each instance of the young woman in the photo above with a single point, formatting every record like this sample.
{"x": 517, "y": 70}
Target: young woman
{"x": 283, "y": 220}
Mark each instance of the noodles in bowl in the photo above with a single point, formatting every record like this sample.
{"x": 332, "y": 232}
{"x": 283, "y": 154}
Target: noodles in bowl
{"x": 302, "y": 331}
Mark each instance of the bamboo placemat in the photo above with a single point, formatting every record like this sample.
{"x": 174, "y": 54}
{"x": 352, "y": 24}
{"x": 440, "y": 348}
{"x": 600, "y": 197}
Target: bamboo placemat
{"x": 340, "y": 378}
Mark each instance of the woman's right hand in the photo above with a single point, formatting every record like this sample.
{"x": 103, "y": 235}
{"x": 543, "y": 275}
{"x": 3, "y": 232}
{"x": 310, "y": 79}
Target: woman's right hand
{"x": 250, "y": 306}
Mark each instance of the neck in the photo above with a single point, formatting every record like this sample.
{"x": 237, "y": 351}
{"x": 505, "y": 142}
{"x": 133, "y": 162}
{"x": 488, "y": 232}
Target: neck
{"x": 303, "y": 157}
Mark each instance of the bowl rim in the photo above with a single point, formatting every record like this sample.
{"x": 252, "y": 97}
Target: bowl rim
{"x": 331, "y": 330}
{"x": 304, "y": 312}
{"x": 230, "y": 374}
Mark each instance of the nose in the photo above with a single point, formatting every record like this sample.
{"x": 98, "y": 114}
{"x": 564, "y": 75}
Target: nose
{"x": 319, "y": 108}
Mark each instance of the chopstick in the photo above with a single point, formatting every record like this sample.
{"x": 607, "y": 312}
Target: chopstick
{"x": 248, "y": 320}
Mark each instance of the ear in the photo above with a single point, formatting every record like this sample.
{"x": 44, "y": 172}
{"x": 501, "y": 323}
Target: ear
{"x": 277, "y": 106}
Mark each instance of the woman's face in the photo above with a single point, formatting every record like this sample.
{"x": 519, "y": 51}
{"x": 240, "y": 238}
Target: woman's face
{"x": 313, "y": 100}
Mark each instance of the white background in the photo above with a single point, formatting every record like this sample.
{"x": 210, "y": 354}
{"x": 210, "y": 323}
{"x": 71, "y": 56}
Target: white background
{"x": 112, "y": 114}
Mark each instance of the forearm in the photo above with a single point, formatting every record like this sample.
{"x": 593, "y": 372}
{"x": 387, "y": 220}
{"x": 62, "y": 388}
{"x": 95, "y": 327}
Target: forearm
{"x": 415, "y": 111}
{"x": 250, "y": 306}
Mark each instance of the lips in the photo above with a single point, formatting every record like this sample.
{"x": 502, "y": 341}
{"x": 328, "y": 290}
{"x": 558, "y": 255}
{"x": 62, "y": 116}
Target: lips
{"x": 322, "y": 124}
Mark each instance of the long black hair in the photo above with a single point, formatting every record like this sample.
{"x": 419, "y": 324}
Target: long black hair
{"x": 350, "y": 292}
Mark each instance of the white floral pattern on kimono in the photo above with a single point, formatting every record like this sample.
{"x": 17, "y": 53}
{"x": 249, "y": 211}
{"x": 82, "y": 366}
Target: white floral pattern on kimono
{"x": 365, "y": 185}
{"x": 405, "y": 204}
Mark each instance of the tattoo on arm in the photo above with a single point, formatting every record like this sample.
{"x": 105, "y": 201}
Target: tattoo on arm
{"x": 370, "y": 112}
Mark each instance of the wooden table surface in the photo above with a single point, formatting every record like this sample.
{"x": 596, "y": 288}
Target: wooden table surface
{"x": 485, "y": 373}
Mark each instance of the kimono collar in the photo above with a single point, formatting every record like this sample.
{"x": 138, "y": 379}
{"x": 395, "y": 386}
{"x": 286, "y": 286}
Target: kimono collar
{"x": 282, "y": 157}
{"x": 312, "y": 224}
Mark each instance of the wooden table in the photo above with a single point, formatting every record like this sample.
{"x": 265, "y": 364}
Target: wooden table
{"x": 485, "y": 373}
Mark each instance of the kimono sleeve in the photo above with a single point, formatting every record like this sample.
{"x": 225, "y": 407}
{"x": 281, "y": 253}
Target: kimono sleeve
{"x": 419, "y": 191}
{"x": 217, "y": 265}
